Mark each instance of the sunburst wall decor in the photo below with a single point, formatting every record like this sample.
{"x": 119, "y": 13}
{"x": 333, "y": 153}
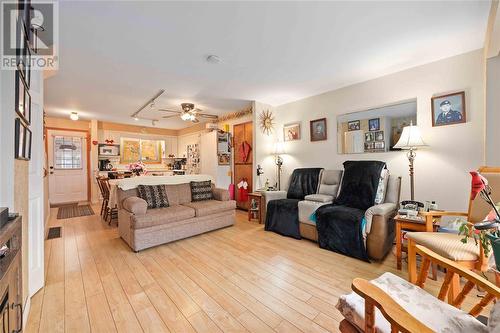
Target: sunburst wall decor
{"x": 266, "y": 120}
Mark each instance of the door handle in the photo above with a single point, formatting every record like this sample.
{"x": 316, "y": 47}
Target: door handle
{"x": 51, "y": 167}
{"x": 19, "y": 307}
{"x": 52, "y": 172}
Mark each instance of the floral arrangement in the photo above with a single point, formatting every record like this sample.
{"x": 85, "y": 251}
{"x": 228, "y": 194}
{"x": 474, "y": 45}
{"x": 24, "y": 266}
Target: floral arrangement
{"x": 137, "y": 168}
{"x": 484, "y": 232}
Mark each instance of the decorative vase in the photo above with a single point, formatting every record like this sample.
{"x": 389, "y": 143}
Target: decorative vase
{"x": 495, "y": 244}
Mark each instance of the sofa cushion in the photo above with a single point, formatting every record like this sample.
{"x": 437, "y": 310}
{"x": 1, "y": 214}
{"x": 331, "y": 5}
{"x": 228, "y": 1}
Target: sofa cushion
{"x": 162, "y": 216}
{"x": 155, "y": 195}
{"x": 208, "y": 207}
{"x": 319, "y": 198}
{"x": 307, "y": 208}
{"x": 435, "y": 314}
{"x": 135, "y": 205}
{"x": 201, "y": 190}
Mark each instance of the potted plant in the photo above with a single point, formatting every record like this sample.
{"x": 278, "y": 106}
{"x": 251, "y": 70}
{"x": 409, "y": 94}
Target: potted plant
{"x": 137, "y": 168}
{"x": 486, "y": 233}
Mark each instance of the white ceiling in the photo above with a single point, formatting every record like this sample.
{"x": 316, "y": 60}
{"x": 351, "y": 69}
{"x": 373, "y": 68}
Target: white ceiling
{"x": 116, "y": 55}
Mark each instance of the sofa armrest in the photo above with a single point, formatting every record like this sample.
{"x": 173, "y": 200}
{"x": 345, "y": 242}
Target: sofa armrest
{"x": 274, "y": 195}
{"x": 135, "y": 205}
{"x": 220, "y": 194}
{"x": 385, "y": 210}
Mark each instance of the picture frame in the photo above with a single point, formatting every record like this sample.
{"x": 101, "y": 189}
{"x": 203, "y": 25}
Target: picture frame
{"x": 291, "y": 132}
{"x": 354, "y": 125}
{"x": 379, "y": 135}
{"x": 318, "y": 130}
{"x": 374, "y": 124}
{"x": 23, "y": 137}
{"x": 369, "y": 137}
{"x": 379, "y": 145}
{"x": 449, "y": 109}
{"x": 22, "y": 103}
{"x": 224, "y": 159}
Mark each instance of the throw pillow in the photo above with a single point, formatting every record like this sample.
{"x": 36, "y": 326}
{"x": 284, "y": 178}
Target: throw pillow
{"x": 154, "y": 195}
{"x": 201, "y": 191}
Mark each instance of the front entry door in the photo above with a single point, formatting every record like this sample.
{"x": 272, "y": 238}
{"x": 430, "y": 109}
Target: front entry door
{"x": 67, "y": 155}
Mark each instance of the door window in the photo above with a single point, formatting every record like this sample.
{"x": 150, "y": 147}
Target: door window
{"x": 67, "y": 152}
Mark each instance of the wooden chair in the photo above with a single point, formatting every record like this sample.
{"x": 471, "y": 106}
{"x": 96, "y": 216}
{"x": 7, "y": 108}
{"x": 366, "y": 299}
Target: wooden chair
{"x": 402, "y": 319}
{"x": 103, "y": 205}
{"x": 108, "y": 212}
{"x": 448, "y": 245}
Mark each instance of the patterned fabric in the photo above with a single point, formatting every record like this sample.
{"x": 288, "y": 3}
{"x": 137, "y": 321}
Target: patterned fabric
{"x": 382, "y": 187}
{"x": 438, "y": 316}
{"x": 155, "y": 195}
{"x": 201, "y": 191}
{"x": 447, "y": 245}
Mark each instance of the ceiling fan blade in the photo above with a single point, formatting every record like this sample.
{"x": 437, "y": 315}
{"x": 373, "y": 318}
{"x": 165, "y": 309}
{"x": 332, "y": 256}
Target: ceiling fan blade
{"x": 206, "y": 115}
{"x": 171, "y": 116}
{"x": 195, "y": 120}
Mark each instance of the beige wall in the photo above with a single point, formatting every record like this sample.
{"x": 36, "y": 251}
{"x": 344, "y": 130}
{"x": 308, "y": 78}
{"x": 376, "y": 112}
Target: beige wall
{"x": 441, "y": 170}
{"x": 493, "y": 112}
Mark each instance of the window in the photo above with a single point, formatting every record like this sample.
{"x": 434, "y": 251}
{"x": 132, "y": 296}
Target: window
{"x": 67, "y": 152}
{"x": 134, "y": 150}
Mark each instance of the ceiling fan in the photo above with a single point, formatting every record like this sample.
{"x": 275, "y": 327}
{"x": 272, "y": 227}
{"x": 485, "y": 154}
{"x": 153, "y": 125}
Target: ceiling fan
{"x": 189, "y": 113}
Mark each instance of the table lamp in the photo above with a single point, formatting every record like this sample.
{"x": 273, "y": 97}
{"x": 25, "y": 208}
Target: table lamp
{"x": 279, "y": 149}
{"x": 410, "y": 140}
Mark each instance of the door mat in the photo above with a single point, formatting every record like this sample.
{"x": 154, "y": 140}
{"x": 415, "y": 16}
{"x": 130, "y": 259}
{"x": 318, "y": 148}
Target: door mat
{"x": 54, "y": 232}
{"x": 64, "y": 204}
{"x": 67, "y": 212}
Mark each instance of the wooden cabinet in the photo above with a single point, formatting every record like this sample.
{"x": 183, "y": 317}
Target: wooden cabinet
{"x": 11, "y": 305}
{"x": 243, "y": 165}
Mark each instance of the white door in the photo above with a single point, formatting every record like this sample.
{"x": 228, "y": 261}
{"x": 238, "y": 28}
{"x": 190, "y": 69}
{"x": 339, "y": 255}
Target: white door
{"x": 67, "y": 166}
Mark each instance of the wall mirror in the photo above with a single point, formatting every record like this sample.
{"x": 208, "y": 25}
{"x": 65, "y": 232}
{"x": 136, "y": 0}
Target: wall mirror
{"x": 374, "y": 130}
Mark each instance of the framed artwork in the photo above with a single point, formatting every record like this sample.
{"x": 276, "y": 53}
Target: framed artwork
{"x": 448, "y": 109}
{"x": 22, "y": 141}
{"x": 291, "y": 132}
{"x": 129, "y": 150}
{"x": 379, "y": 136}
{"x": 224, "y": 159}
{"x": 354, "y": 125}
{"x": 22, "y": 99}
{"x": 369, "y": 137}
{"x": 318, "y": 129}
{"x": 379, "y": 145}
{"x": 150, "y": 151}
{"x": 374, "y": 124}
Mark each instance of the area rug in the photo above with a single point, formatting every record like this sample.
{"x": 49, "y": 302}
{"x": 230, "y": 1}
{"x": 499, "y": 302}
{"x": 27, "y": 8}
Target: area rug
{"x": 69, "y": 211}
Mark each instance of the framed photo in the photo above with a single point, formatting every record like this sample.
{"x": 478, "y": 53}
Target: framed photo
{"x": 379, "y": 145}
{"x": 369, "y": 137}
{"x": 379, "y": 136}
{"x": 224, "y": 159}
{"x": 22, "y": 99}
{"x": 318, "y": 129}
{"x": 291, "y": 132}
{"x": 354, "y": 125}
{"x": 22, "y": 141}
{"x": 374, "y": 124}
{"x": 448, "y": 109}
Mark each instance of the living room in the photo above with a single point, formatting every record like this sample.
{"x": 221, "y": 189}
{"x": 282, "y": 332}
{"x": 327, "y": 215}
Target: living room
{"x": 250, "y": 166}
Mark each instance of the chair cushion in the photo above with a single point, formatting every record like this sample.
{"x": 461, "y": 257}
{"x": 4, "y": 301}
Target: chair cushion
{"x": 447, "y": 245}
{"x": 208, "y": 207}
{"x": 162, "y": 216}
{"x": 319, "y": 198}
{"x": 201, "y": 190}
{"x": 438, "y": 316}
{"x": 154, "y": 195}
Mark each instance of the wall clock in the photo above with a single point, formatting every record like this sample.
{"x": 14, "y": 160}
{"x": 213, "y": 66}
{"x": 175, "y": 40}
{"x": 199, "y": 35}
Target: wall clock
{"x": 266, "y": 120}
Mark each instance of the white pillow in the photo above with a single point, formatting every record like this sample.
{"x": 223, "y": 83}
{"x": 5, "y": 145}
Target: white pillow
{"x": 382, "y": 187}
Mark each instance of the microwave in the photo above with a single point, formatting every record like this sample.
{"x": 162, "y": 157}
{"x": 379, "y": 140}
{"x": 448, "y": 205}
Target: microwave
{"x": 109, "y": 150}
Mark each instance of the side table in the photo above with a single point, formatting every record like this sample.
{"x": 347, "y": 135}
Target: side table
{"x": 408, "y": 224}
{"x": 257, "y": 210}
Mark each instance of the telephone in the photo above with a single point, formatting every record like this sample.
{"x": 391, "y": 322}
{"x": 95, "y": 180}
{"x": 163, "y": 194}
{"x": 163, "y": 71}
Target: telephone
{"x": 410, "y": 207}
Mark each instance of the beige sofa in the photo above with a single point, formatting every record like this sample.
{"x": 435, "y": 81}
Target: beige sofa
{"x": 142, "y": 228}
{"x": 380, "y": 234}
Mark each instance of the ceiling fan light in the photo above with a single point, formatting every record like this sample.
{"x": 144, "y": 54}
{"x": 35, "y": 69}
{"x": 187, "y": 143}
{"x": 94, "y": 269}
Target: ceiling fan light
{"x": 185, "y": 116}
{"x": 73, "y": 116}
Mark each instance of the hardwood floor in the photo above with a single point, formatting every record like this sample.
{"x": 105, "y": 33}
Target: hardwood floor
{"x": 239, "y": 278}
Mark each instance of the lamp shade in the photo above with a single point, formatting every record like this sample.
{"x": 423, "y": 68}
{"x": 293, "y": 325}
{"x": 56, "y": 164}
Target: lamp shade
{"x": 410, "y": 138}
{"x": 279, "y": 148}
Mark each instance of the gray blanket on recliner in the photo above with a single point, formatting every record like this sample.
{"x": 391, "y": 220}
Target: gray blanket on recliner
{"x": 283, "y": 215}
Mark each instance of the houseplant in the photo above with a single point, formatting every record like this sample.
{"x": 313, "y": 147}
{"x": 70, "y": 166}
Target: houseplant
{"x": 487, "y": 233}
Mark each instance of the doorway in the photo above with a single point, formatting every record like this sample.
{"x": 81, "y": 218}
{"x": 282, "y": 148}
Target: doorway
{"x": 68, "y": 166}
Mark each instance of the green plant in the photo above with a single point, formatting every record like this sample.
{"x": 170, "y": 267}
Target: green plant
{"x": 468, "y": 231}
